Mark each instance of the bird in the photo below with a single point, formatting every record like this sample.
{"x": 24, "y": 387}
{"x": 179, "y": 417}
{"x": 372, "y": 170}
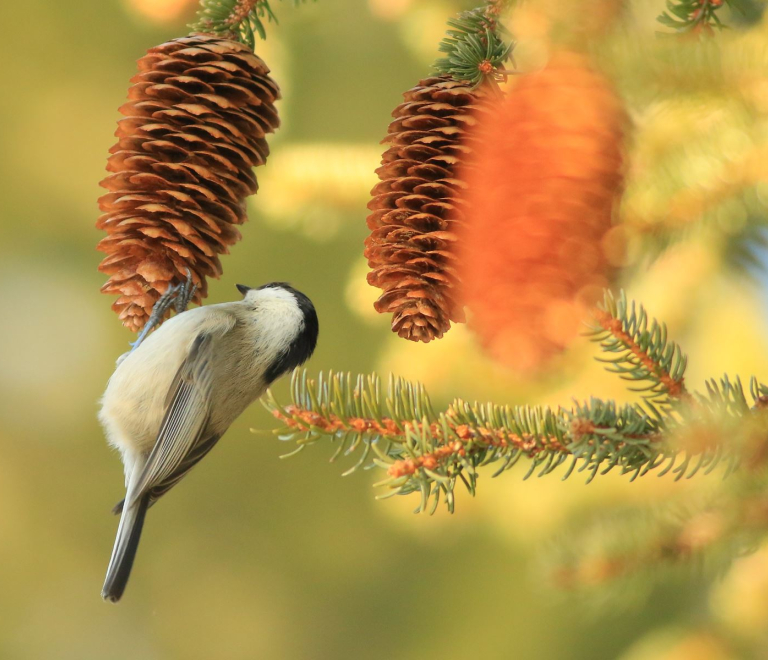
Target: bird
{"x": 176, "y": 393}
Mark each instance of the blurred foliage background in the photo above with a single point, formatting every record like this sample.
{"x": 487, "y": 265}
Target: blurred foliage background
{"x": 257, "y": 557}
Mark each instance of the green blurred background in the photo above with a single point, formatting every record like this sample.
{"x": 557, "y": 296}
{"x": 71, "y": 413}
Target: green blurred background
{"x": 254, "y": 557}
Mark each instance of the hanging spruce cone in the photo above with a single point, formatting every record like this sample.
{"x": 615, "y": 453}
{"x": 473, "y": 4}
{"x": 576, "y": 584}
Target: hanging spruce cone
{"x": 416, "y": 208}
{"x": 195, "y": 124}
{"x": 543, "y": 186}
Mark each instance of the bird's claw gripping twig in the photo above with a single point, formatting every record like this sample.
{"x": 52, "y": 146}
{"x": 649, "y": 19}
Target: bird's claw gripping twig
{"x": 178, "y": 295}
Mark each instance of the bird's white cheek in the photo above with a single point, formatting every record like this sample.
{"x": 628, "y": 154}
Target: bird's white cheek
{"x": 277, "y": 324}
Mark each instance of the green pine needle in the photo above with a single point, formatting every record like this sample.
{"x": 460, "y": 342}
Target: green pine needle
{"x": 692, "y": 15}
{"x": 221, "y": 17}
{"x": 475, "y": 47}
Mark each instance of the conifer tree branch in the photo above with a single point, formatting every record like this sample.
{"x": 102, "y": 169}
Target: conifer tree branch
{"x": 636, "y": 544}
{"x": 429, "y": 452}
{"x": 639, "y": 351}
{"x": 476, "y": 45}
{"x": 396, "y": 429}
{"x": 695, "y": 16}
{"x": 239, "y": 20}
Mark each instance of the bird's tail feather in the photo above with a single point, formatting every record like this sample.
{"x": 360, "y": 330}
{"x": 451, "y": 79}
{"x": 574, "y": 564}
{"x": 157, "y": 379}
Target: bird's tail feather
{"x": 124, "y": 552}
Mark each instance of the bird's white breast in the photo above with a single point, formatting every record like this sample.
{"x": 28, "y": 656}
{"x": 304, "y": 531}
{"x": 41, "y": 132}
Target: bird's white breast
{"x": 132, "y": 406}
{"x": 257, "y": 330}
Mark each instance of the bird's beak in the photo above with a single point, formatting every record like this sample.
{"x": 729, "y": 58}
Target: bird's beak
{"x": 242, "y": 288}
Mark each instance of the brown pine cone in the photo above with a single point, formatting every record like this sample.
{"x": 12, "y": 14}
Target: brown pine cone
{"x": 195, "y": 124}
{"x": 547, "y": 174}
{"x": 416, "y": 209}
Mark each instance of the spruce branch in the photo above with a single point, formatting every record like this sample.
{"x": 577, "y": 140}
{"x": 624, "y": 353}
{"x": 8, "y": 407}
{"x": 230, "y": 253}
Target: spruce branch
{"x": 239, "y": 20}
{"x": 430, "y": 452}
{"x": 706, "y": 532}
{"x": 639, "y": 350}
{"x": 397, "y": 429}
{"x": 476, "y": 46}
{"x": 694, "y": 16}
{"x": 643, "y": 546}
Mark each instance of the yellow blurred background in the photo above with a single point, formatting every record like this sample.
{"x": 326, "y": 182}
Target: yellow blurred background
{"x": 254, "y": 557}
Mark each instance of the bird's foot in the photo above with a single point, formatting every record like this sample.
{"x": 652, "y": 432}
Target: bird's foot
{"x": 178, "y": 295}
{"x": 184, "y": 294}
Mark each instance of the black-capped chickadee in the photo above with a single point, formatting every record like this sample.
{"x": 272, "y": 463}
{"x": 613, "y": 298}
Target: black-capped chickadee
{"x": 171, "y": 399}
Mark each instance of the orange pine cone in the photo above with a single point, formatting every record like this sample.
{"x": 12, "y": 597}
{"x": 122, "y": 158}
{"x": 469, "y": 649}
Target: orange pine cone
{"x": 195, "y": 125}
{"x": 545, "y": 180}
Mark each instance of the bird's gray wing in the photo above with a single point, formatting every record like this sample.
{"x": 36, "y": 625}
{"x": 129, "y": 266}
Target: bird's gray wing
{"x": 181, "y": 440}
{"x": 198, "y": 451}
